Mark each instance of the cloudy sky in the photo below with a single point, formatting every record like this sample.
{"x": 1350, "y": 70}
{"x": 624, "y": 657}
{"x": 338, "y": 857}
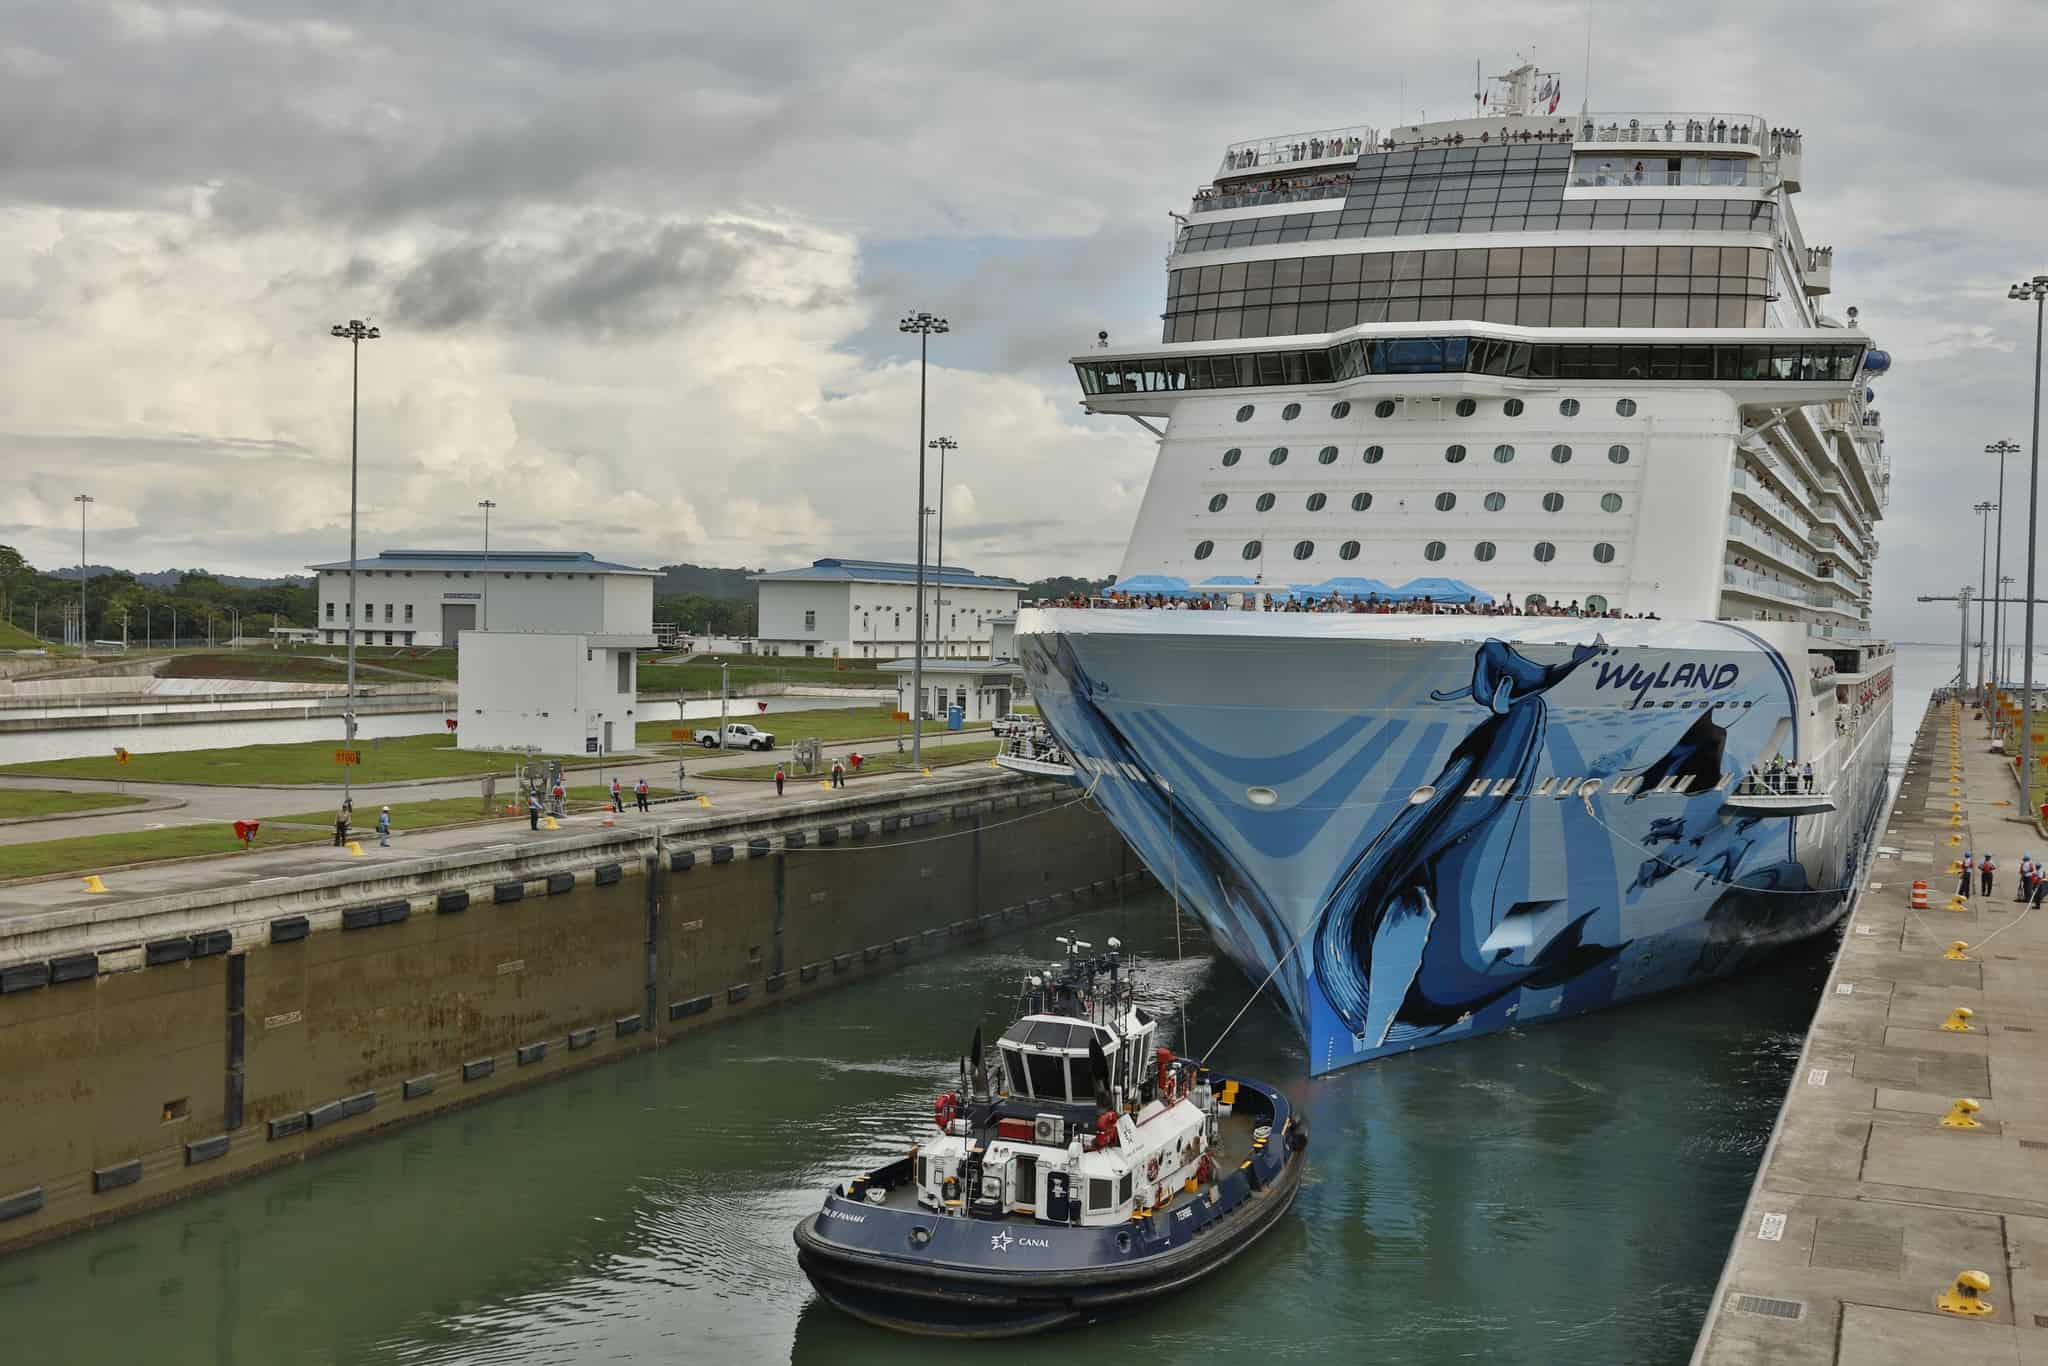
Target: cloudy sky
{"x": 639, "y": 265}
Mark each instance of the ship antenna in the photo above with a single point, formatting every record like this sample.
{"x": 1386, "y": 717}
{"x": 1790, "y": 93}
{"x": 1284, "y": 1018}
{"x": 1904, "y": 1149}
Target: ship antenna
{"x": 1586, "y": 94}
{"x": 1178, "y": 955}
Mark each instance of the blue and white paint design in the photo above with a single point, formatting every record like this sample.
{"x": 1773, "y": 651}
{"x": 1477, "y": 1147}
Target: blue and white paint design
{"x": 1423, "y": 839}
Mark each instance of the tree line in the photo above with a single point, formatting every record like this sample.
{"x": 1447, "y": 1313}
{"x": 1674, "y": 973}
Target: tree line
{"x": 200, "y": 606}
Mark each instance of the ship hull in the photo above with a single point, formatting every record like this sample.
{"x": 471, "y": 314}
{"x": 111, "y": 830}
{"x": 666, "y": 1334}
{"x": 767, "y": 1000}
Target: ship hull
{"x": 1420, "y": 829}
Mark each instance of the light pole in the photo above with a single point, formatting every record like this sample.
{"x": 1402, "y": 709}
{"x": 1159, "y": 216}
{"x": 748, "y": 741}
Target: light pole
{"x": 487, "y": 505}
{"x": 941, "y": 444}
{"x": 2000, "y": 448}
{"x": 82, "y": 500}
{"x": 148, "y": 627}
{"x": 924, "y": 325}
{"x": 355, "y": 333}
{"x": 1983, "y": 511}
{"x": 2004, "y": 662}
{"x": 2035, "y": 289}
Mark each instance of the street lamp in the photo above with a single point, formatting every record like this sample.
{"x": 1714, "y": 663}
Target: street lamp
{"x": 941, "y": 444}
{"x": 2000, "y": 448}
{"x": 355, "y": 333}
{"x": 924, "y": 325}
{"x": 2035, "y": 289}
{"x": 487, "y": 505}
{"x": 82, "y": 500}
{"x": 1983, "y": 511}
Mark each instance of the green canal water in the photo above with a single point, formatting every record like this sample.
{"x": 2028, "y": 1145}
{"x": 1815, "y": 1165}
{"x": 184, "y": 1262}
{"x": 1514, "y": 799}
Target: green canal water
{"x": 1564, "y": 1193}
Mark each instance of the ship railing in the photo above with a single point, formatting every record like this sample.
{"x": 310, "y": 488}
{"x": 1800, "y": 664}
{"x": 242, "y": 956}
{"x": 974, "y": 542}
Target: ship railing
{"x": 1322, "y": 144}
{"x": 1676, "y": 129}
{"x": 1335, "y": 187}
{"x": 1721, "y": 173}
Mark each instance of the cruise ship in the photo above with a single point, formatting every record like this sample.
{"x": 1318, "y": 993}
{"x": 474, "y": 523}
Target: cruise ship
{"x": 1545, "y": 422}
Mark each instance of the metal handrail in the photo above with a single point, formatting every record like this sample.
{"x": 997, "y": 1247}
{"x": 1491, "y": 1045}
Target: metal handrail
{"x": 1289, "y": 149}
{"x": 1678, "y": 129}
{"x": 1331, "y": 189}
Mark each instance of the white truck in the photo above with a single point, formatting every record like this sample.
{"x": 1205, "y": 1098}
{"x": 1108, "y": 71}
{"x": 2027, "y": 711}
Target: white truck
{"x": 736, "y": 735}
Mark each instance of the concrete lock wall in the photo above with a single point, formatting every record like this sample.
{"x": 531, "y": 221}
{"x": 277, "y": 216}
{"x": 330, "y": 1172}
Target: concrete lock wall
{"x": 152, "y": 1071}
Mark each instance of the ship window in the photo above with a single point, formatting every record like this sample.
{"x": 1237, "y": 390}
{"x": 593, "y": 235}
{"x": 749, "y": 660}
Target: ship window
{"x": 1123, "y": 1189}
{"x": 1048, "y": 1075}
{"x": 1595, "y": 603}
{"x": 1265, "y": 503}
{"x": 1277, "y": 456}
{"x": 1560, "y": 455}
{"x": 1304, "y": 549}
{"x": 1553, "y": 502}
{"x": 1219, "y": 502}
{"x": 1360, "y": 501}
{"x": 1610, "y": 502}
{"x": 1433, "y": 551}
{"x": 1569, "y": 407}
{"x": 1466, "y": 407}
{"x": 1603, "y": 553}
{"x": 1513, "y": 407}
{"x": 1446, "y": 501}
{"x": 1617, "y": 455}
{"x": 1384, "y": 408}
{"x": 1453, "y": 454}
{"x": 1340, "y": 410}
{"x": 1496, "y": 501}
{"x": 1244, "y": 414}
{"x": 1375, "y": 454}
{"x": 1290, "y": 412}
{"x": 1232, "y": 456}
{"x": 1204, "y": 549}
{"x": 1316, "y": 502}
{"x": 1100, "y": 1189}
{"x": 1536, "y": 600}
{"x": 1253, "y": 549}
{"x": 1015, "y": 1062}
{"x": 1348, "y": 551}
{"x": 1327, "y": 456}
{"x": 1503, "y": 454}
{"x": 1626, "y": 407}
{"x": 1545, "y": 552}
{"x": 1483, "y": 551}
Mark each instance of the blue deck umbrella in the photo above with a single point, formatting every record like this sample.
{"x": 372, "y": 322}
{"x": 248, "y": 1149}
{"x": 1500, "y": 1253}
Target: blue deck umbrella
{"x": 1441, "y": 590}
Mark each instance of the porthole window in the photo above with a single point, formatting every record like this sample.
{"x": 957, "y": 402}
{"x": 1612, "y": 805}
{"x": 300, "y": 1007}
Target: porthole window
{"x": 1537, "y": 600}
{"x": 1503, "y": 454}
{"x": 1513, "y": 407}
{"x": 1603, "y": 553}
{"x": 1569, "y": 407}
{"x": 1467, "y": 407}
{"x": 1545, "y": 552}
{"x": 1219, "y": 502}
{"x": 1253, "y": 549}
{"x": 1625, "y": 407}
{"x": 1446, "y": 501}
{"x": 1316, "y": 502}
{"x": 1327, "y": 456}
{"x": 1204, "y": 549}
{"x": 1232, "y": 456}
{"x": 1360, "y": 502}
{"x": 1483, "y": 551}
{"x": 1560, "y": 455}
{"x": 1595, "y": 603}
{"x": 1496, "y": 501}
{"x": 1453, "y": 454}
{"x": 1384, "y": 408}
{"x": 1244, "y": 414}
{"x": 1290, "y": 412}
{"x": 1375, "y": 454}
{"x": 1340, "y": 410}
{"x": 1277, "y": 456}
{"x": 1553, "y": 502}
{"x": 1304, "y": 549}
{"x": 1433, "y": 551}
{"x": 1617, "y": 455}
{"x": 1348, "y": 551}
{"x": 1610, "y": 502}
{"x": 1265, "y": 503}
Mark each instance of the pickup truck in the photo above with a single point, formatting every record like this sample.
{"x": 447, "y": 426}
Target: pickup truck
{"x": 736, "y": 735}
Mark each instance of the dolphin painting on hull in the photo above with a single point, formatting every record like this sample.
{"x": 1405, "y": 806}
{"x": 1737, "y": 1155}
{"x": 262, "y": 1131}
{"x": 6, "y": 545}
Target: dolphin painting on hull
{"x": 1402, "y": 936}
{"x": 1697, "y": 756}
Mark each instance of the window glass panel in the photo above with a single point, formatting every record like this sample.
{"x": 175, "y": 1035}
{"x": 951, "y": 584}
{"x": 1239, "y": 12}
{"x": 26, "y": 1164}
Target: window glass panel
{"x": 1360, "y": 502}
{"x": 1496, "y": 501}
{"x": 1433, "y": 551}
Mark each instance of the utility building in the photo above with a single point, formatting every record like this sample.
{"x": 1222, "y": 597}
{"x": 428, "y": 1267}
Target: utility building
{"x": 863, "y": 609}
{"x": 429, "y": 597}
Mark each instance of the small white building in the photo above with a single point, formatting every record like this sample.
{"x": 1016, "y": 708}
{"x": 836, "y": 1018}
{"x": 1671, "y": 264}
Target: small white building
{"x": 428, "y": 597}
{"x": 557, "y": 692}
{"x": 864, "y": 609}
{"x": 983, "y": 689}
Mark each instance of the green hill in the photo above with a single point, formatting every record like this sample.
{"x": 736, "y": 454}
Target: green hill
{"x": 14, "y": 638}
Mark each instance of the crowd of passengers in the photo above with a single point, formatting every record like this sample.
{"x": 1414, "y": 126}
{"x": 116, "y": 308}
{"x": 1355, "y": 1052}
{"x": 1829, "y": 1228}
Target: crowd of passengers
{"x": 1338, "y": 602}
{"x": 1276, "y": 185}
{"x": 1695, "y": 130}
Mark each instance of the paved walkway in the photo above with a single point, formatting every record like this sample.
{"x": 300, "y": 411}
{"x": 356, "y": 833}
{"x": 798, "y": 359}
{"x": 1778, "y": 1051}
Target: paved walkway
{"x": 1867, "y": 1207}
{"x": 216, "y": 805}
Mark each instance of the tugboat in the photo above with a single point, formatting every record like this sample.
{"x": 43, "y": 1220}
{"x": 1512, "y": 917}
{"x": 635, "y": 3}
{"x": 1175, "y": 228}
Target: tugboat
{"x": 1094, "y": 1174}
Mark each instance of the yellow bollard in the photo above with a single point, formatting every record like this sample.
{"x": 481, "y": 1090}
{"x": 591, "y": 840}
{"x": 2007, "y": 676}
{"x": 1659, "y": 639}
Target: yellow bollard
{"x": 1955, "y": 806}
{"x": 550, "y": 823}
{"x": 926, "y": 772}
{"x": 93, "y": 883}
{"x": 824, "y": 784}
{"x": 1955, "y": 866}
{"x": 1958, "y": 1021}
{"x": 1954, "y": 840}
{"x": 703, "y": 801}
{"x": 1956, "y": 952}
{"x": 355, "y": 848}
{"x": 1958, "y": 903}
{"x": 1959, "y": 1115}
{"x": 1955, "y": 820}
{"x": 1966, "y": 1295}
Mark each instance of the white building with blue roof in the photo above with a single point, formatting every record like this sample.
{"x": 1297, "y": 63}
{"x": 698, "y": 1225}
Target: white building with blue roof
{"x": 866, "y": 609}
{"x": 428, "y": 597}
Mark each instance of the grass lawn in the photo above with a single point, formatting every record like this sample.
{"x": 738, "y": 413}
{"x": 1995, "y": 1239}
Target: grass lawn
{"x": 943, "y": 756}
{"x": 702, "y": 675}
{"x": 402, "y": 759}
{"x": 93, "y": 853}
{"x": 14, "y": 638}
{"x": 18, "y": 802}
{"x": 830, "y": 724}
{"x": 314, "y": 664}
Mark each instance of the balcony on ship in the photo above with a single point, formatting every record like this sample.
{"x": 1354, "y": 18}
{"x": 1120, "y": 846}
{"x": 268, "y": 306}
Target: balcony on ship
{"x": 1700, "y": 131}
{"x": 1776, "y": 792}
{"x": 1322, "y": 147}
{"x": 1662, "y": 170}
